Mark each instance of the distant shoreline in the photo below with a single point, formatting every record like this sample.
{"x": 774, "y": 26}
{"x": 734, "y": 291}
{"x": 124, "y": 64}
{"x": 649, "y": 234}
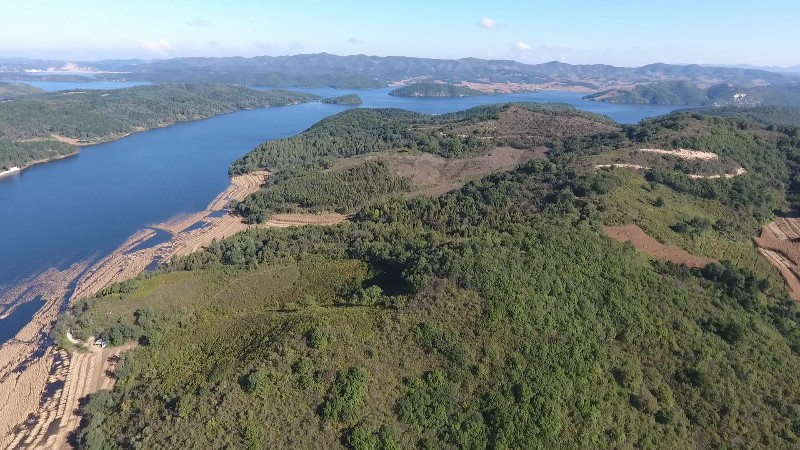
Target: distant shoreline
{"x": 42, "y": 161}
{"x": 77, "y": 144}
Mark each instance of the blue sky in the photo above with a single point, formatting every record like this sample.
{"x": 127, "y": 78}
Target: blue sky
{"x": 627, "y": 33}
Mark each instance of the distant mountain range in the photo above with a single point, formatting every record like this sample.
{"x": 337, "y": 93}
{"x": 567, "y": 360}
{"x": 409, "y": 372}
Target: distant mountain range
{"x": 362, "y": 71}
{"x": 790, "y": 69}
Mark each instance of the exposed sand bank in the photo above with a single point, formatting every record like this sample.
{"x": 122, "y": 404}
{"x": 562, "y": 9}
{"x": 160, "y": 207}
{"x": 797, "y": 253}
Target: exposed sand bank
{"x": 31, "y": 417}
{"x": 14, "y": 169}
{"x": 27, "y": 360}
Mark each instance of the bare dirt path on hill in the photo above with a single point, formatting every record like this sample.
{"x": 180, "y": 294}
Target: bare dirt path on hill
{"x": 644, "y": 243}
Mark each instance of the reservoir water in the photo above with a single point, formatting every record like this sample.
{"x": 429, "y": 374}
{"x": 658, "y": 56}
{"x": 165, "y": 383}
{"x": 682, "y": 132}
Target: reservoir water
{"x": 52, "y": 86}
{"x": 61, "y": 212}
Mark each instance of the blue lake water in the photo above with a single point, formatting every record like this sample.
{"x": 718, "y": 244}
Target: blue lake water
{"x": 52, "y": 86}
{"x": 58, "y": 213}
{"x": 14, "y": 322}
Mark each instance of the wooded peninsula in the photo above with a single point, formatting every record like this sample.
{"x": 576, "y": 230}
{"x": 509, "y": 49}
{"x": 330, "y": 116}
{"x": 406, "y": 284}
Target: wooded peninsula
{"x": 47, "y": 126}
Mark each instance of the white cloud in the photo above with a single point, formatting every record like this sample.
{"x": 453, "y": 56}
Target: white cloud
{"x": 356, "y": 41}
{"x": 522, "y": 46}
{"x": 198, "y": 23}
{"x": 545, "y": 52}
{"x": 159, "y": 46}
{"x": 487, "y": 23}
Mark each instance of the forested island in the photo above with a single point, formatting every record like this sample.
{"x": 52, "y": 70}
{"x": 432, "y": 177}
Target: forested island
{"x": 431, "y": 89}
{"x": 347, "y": 99}
{"x": 686, "y": 93}
{"x": 500, "y": 312}
{"x": 48, "y": 126}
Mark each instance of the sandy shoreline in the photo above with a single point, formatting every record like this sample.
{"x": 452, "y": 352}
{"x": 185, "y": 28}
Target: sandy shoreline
{"x": 31, "y": 417}
{"x": 14, "y": 169}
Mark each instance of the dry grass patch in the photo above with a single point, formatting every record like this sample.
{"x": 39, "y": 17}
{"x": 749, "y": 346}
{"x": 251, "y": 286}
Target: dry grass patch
{"x": 434, "y": 175}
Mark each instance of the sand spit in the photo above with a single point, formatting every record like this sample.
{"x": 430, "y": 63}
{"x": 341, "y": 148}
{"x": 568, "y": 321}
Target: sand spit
{"x": 683, "y": 153}
{"x": 241, "y": 186}
{"x": 180, "y": 222}
{"x": 30, "y": 416}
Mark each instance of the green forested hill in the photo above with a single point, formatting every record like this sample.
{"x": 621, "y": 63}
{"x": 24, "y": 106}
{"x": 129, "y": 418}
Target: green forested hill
{"x": 719, "y": 95}
{"x": 27, "y": 124}
{"x": 494, "y": 316}
{"x": 12, "y": 90}
{"x": 664, "y": 93}
{"x": 347, "y": 99}
{"x": 785, "y": 116}
{"x": 430, "y": 89}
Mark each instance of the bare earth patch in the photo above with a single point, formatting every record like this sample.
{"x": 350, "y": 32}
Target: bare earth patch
{"x": 728, "y": 175}
{"x": 736, "y": 173}
{"x": 683, "y": 153}
{"x": 434, "y": 175}
{"x": 68, "y": 140}
{"x": 295, "y": 220}
{"x": 642, "y": 242}
{"x": 780, "y": 244}
{"x": 622, "y": 165}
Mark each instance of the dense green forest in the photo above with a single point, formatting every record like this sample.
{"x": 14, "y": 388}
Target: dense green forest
{"x": 686, "y": 93}
{"x": 430, "y": 89}
{"x": 494, "y": 316}
{"x": 784, "y": 116}
{"x": 12, "y": 90}
{"x": 665, "y": 93}
{"x": 347, "y": 99}
{"x": 27, "y": 124}
{"x": 20, "y": 154}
